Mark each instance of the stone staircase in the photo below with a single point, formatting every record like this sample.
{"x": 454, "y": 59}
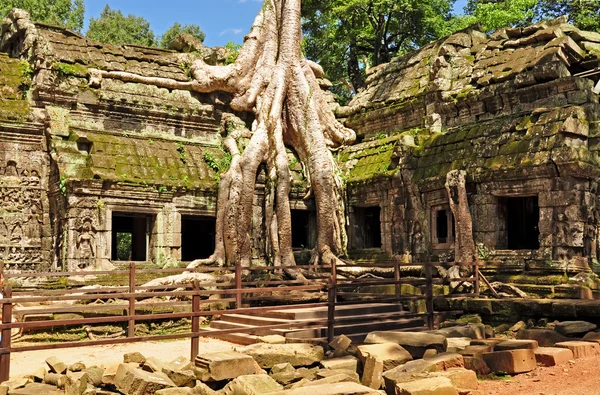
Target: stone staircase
{"x": 357, "y": 320}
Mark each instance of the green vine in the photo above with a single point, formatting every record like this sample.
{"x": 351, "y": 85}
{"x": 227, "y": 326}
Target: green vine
{"x": 219, "y": 165}
{"x": 62, "y": 185}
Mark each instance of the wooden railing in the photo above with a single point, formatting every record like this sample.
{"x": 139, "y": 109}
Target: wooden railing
{"x": 326, "y": 288}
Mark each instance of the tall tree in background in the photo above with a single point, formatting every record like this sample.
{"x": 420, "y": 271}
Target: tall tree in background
{"x": 344, "y": 35}
{"x": 496, "y": 14}
{"x": 177, "y": 29}
{"x": 66, "y": 13}
{"x": 115, "y": 28}
{"x": 585, "y": 14}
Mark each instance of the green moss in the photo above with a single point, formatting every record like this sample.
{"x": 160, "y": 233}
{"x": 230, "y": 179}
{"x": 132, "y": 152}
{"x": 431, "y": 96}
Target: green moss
{"x": 70, "y": 70}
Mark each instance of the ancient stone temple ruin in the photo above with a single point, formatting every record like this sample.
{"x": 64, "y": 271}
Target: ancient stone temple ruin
{"x": 98, "y": 166}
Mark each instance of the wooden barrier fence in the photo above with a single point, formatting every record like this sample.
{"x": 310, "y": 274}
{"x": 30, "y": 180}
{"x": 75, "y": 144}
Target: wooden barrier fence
{"x": 327, "y": 288}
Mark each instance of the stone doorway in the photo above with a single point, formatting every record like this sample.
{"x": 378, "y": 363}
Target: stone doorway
{"x": 521, "y": 217}
{"x": 131, "y": 234}
{"x": 367, "y": 228}
{"x": 197, "y": 237}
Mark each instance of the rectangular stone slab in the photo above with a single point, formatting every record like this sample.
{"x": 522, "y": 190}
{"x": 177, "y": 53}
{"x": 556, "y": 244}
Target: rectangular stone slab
{"x": 581, "y": 349}
{"x": 552, "y": 356}
{"x": 516, "y": 345}
{"x": 510, "y": 361}
{"x": 226, "y": 365}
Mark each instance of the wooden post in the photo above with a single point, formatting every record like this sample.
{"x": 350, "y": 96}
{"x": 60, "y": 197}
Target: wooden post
{"x": 195, "y": 349}
{"x": 131, "y": 322}
{"x": 476, "y": 278}
{"x": 429, "y": 295}
{"x": 397, "y": 279}
{"x": 238, "y": 286}
{"x": 6, "y": 334}
{"x": 331, "y": 301}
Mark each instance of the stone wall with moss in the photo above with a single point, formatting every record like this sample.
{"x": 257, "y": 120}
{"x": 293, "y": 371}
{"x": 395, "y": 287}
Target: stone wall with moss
{"x": 517, "y": 109}
{"x": 113, "y": 144}
{"x": 25, "y": 238}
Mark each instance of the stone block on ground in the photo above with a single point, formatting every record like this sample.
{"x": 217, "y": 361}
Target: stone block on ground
{"x": 581, "y": 349}
{"x": 181, "y": 378}
{"x": 349, "y": 363}
{"x": 56, "y": 365}
{"x": 108, "y": 377}
{"x": 592, "y": 337}
{"x": 94, "y": 375}
{"x": 134, "y": 357}
{"x": 429, "y": 353}
{"x": 252, "y": 385}
{"x": 153, "y": 365}
{"x": 416, "y": 343}
{"x": 268, "y": 355}
{"x": 472, "y": 331}
{"x": 552, "y": 356}
{"x": 271, "y": 339}
{"x": 76, "y": 367}
{"x": 438, "y": 363}
{"x": 510, "y": 361}
{"x": 373, "y": 372}
{"x": 175, "y": 391}
{"x": 544, "y": 337}
{"x": 574, "y": 328}
{"x": 325, "y": 373}
{"x": 55, "y": 379}
{"x": 486, "y": 342}
{"x": 343, "y": 388}
{"x": 341, "y": 342}
{"x": 516, "y": 345}
{"x": 227, "y": 365}
{"x": 336, "y": 378}
{"x": 282, "y": 368}
{"x": 38, "y": 375}
{"x": 456, "y": 344}
{"x": 181, "y": 363}
{"x": 474, "y": 351}
{"x": 476, "y": 364}
{"x": 427, "y": 386}
{"x": 132, "y": 381}
{"x": 391, "y": 354}
{"x": 460, "y": 378}
{"x": 76, "y": 383}
{"x": 37, "y": 389}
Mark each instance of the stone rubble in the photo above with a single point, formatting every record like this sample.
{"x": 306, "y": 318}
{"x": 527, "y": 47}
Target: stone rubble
{"x": 450, "y": 364}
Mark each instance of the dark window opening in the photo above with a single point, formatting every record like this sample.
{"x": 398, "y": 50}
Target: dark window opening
{"x": 522, "y": 216}
{"x": 84, "y": 146}
{"x": 130, "y": 237}
{"x": 303, "y": 223}
{"x": 443, "y": 226}
{"x": 197, "y": 237}
{"x": 367, "y": 227}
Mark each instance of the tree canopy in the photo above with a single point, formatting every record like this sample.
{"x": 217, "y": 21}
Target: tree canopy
{"x": 177, "y": 29}
{"x": 66, "y": 13}
{"x": 342, "y": 34}
{"x": 112, "y": 27}
{"x": 585, "y": 14}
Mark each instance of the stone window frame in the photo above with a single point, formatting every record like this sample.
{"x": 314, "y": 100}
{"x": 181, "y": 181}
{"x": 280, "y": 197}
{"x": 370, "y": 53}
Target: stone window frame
{"x": 451, "y": 234}
{"x": 134, "y": 210}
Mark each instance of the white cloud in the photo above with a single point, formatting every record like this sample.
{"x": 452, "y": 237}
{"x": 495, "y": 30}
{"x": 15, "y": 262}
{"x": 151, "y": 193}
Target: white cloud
{"x": 234, "y": 31}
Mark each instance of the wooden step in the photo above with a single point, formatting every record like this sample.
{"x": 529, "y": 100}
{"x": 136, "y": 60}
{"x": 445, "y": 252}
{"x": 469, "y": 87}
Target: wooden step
{"x": 340, "y": 311}
{"x": 363, "y": 327}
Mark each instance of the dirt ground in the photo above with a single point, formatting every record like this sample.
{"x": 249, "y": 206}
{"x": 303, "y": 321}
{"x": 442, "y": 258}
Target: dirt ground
{"x": 579, "y": 378}
{"x": 582, "y": 377}
{"x": 27, "y": 362}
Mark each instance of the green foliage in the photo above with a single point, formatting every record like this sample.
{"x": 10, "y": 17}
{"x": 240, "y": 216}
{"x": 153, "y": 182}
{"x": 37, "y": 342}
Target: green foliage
{"x": 124, "y": 246}
{"x": 181, "y": 150}
{"x": 66, "y": 13}
{"x": 177, "y": 29}
{"x": 114, "y": 28}
{"x": 585, "y": 14}
{"x": 219, "y": 164}
{"x": 62, "y": 185}
{"x": 341, "y": 33}
{"x": 234, "y": 50}
{"x": 493, "y": 15}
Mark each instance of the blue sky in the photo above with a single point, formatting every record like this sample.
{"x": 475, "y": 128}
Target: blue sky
{"x": 221, "y": 20}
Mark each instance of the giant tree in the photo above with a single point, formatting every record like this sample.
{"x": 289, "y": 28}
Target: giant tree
{"x": 272, "y": 79}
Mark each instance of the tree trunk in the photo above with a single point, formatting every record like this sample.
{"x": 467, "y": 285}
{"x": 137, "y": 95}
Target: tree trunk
{"x": 457, "y": 195}
{"x": 272, "y": 79}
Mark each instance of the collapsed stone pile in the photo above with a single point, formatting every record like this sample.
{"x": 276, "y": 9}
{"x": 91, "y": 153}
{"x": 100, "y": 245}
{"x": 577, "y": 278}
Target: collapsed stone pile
{"x": 444, "y": 361}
